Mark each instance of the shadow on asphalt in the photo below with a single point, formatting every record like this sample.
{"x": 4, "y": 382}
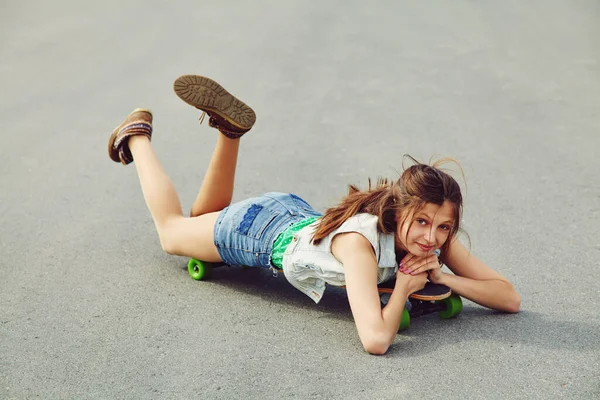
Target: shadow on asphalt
{"x": 261, "y": 282}
{"x": 525, "y": 329}
{"x": 426, "y": 334}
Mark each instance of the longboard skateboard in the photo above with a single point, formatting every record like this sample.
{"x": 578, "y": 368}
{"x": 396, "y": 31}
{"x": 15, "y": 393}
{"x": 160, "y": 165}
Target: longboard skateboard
{"x": 431, "y": 299}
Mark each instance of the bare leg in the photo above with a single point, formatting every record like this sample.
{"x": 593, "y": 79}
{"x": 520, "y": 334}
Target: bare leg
{"x": 232, "y": 118}
{"x": 159, "y": 192}
{"x": 217, "y": 187}
{"x": 192, "y": 237}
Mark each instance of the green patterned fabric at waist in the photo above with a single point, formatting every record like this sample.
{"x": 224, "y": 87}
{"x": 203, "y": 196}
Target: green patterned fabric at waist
{"x": 285, "y": 238}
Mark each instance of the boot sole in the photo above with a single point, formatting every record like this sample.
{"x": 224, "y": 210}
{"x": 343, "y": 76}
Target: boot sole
{"x": 207, "y": 95}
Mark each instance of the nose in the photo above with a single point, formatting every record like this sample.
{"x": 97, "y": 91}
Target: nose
{"x": 429, "y": 236}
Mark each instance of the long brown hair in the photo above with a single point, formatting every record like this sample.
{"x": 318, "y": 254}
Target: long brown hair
{"x": 418, "y": 185}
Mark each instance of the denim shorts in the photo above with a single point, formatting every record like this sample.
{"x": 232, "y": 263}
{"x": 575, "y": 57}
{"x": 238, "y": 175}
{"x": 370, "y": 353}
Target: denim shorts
{"x": 245, "y": 231}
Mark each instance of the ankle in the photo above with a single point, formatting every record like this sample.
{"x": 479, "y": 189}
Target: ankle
{"x": 137, "y": 140}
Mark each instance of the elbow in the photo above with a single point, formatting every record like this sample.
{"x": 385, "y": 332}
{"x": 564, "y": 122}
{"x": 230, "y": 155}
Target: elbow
{"x": 511, "y": 300}
{"x": 168, "y": 247}
{"x": 376, "y": 345}
{"x": 511, "y": 303}
{"x": 514, "y": 305}
{"x": 376, "y": 349}
{"x": 167, "y": 241}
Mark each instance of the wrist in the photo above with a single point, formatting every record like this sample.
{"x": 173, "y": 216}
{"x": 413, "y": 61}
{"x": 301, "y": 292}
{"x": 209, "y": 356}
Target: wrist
{"x": 401, "y": 285}
{"x": 438, "y": 277}
{"x": 443, "y": 278}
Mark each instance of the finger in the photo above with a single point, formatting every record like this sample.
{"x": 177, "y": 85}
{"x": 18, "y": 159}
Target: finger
{"x": 425, "y": 267}
{"x": 414, "y": 260}
{"x": 407, "y": 258}
{"x": 418, "y": 270}
{"x": 406, "y": 261}
{"x": 416, "y": 264}
{"x": 411, "y": 266}
{"x": 428, "y": 259}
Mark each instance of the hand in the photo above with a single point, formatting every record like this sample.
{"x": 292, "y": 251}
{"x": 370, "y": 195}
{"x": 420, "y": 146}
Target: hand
{"x": 412, "y": 265}
{"x": 412, "y": 283}
{"x": 436, "y": 275}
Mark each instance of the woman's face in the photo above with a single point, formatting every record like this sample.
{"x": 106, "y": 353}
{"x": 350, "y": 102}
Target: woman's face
{"x": 426, "y": 230}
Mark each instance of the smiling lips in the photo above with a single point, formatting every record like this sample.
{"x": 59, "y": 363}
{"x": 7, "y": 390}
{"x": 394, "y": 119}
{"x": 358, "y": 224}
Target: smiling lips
{"x": 425, "y": 248}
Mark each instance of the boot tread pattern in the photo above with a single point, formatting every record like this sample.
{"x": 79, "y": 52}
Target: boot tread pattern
{"x": 207, "y": 95}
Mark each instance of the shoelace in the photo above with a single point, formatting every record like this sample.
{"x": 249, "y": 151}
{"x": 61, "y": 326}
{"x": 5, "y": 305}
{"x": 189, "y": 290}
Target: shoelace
{"x": 213, "y": 123}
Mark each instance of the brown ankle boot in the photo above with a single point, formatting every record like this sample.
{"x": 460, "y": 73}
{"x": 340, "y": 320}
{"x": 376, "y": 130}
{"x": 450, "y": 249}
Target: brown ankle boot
{"x": 228, "y": 114}
{"x": 138, "y": 122}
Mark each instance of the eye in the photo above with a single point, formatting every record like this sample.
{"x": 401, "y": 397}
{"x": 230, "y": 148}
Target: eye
{"x": 445, "y": 227}
{"x": 421, "y": 221}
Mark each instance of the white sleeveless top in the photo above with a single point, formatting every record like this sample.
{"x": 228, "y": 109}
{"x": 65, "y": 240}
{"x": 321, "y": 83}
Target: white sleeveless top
{"x": 308, "y": 267}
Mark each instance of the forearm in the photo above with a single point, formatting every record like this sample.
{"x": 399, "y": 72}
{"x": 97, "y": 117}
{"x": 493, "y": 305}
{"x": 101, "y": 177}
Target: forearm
{"x": 380, "y": 333}
{"x": 495, "y": 294}
{"x": 392, "y": 312}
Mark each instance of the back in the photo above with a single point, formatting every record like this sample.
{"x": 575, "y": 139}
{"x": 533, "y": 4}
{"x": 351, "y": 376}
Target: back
{"x": 309, "y": 267}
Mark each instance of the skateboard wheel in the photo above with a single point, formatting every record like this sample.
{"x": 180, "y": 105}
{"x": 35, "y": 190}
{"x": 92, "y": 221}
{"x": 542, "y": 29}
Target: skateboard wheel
{"x": 453, "y": 307}
{"x": 405, "y": 321}
{"x": 199, "y": 270}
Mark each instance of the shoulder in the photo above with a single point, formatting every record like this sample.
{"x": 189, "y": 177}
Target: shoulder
{"x": 363, "y": 224}
{"x": 351, "y": 239}
{"x": 361, "y": 221}
{"x": 350, "y": 244}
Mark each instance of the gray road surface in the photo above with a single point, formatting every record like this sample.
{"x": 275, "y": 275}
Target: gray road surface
{"x": 90, "y": 306}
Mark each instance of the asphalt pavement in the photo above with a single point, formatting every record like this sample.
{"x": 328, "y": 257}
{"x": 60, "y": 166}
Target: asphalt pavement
{"x": 92, "y": 308}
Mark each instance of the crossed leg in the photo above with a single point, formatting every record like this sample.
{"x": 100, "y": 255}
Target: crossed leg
{"x": 191, "y": 237}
